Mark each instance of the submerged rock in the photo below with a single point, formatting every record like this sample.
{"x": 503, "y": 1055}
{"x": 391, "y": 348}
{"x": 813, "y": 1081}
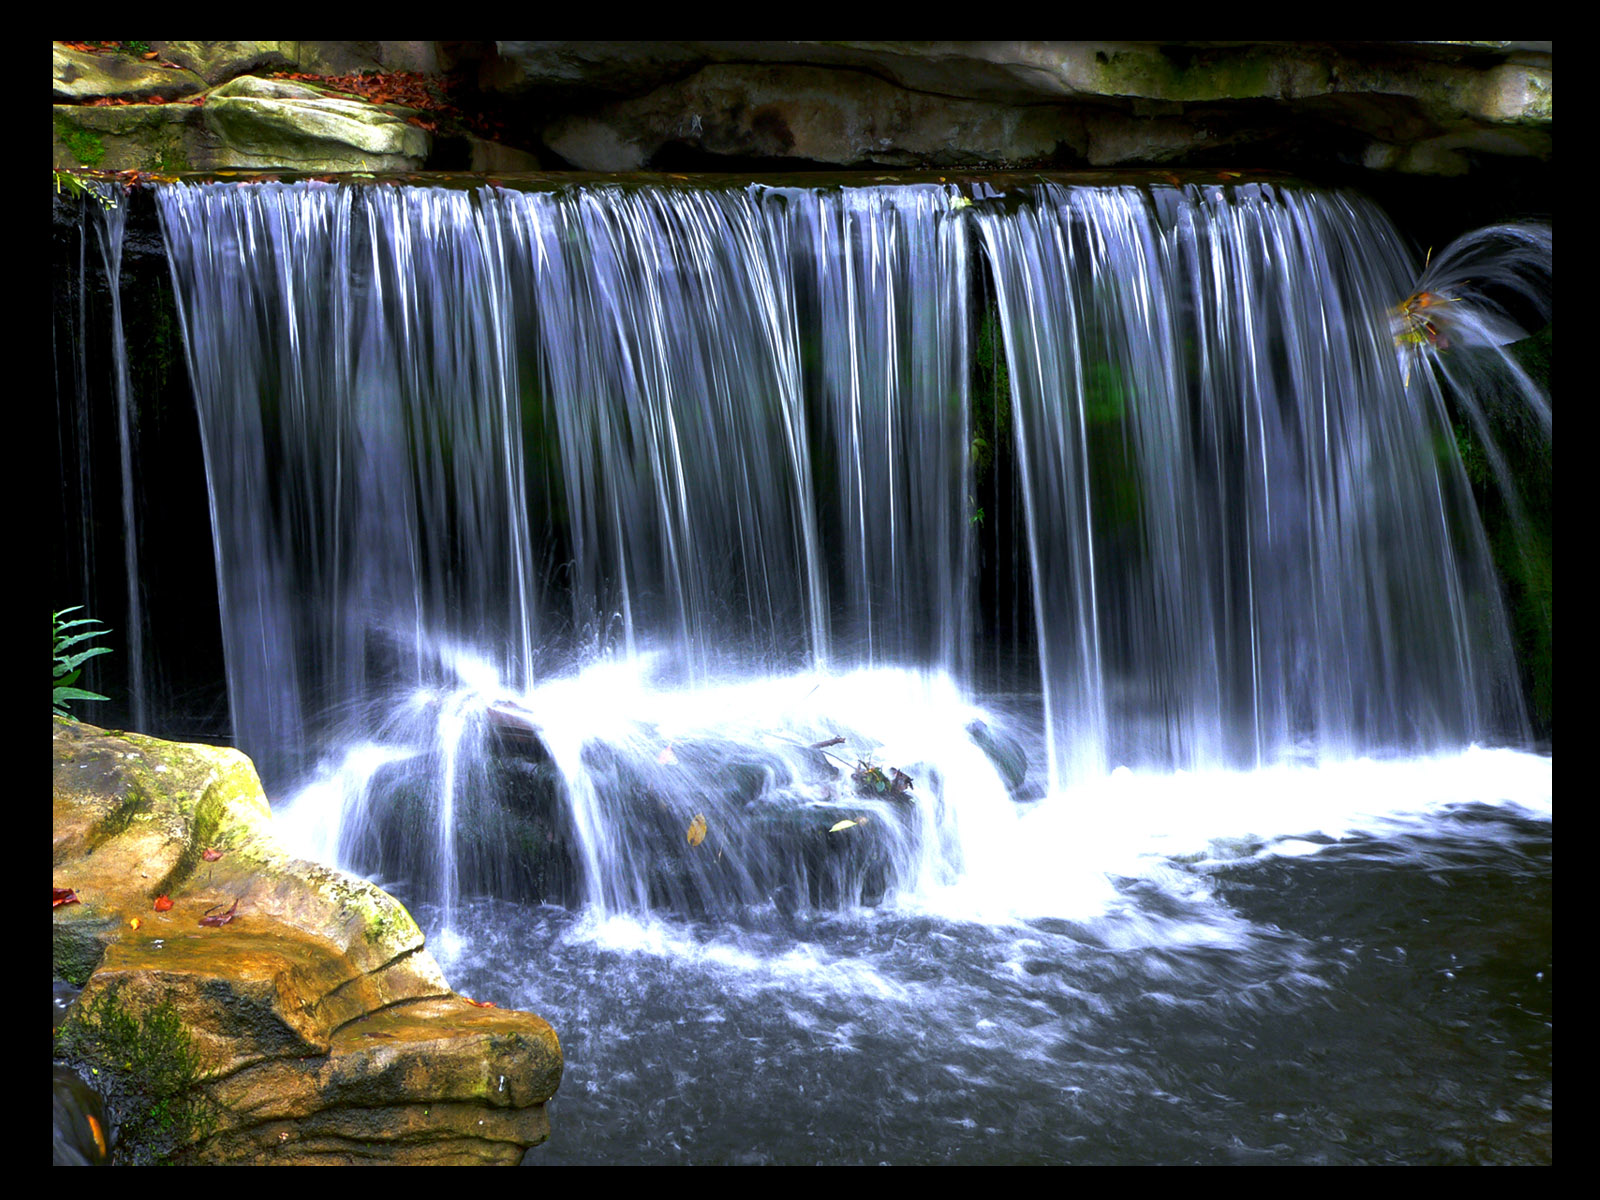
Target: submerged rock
{"x": 1005, "y": 752}
{"x": 320, "y": 1028}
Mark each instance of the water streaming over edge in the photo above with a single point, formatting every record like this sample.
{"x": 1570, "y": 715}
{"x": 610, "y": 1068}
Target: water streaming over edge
{"x": 652, "y": 494}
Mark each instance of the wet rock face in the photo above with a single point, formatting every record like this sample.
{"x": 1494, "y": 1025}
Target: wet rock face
{"x": 320, "y": 1028}
{"x": 1404, "y": 108}
{"x": 1425, "y": 108}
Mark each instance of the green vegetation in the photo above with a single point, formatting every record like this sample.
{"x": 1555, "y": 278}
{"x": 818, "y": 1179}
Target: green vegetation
{"x": 168, "y": 158}
{"x": 149, "y": 1069}
{"x": 88, "y": 148}
{"x": 1473, "y": 459}
{"x": 72, "y": 185}
{"x": 67, "y": 182}
{"x": 65, "y": 668}
{"x": 1183, "y": 73}
{"x": 991, "y": 397}
{"x": 1521, "y": 526}
{"x": 1524, "y": 548}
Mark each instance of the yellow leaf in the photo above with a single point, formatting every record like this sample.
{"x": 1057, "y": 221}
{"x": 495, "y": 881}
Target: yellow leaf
{"x": 697, "y": 829}
{"x": 847, "y": 824}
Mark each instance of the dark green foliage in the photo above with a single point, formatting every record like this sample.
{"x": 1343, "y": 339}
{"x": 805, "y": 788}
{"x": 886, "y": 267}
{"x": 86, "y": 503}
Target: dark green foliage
{"x": 88, "y": 148}
{"x": 991, "y": 396}
{"x": 149, "y": 1070}
{"x": 65, "y": 668}
{"x": 1521, "y": 527}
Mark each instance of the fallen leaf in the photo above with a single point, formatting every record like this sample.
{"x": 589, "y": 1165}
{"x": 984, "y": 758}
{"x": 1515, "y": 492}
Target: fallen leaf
{"x": 212, "y": 855}
{"x": 134, "y": 923}
{"x": 480, "y": 1003}
{"x": 697, "y": 829}
{"x": 220, "y": 918}
{"x": 62, "y": 896}
{"x": 163, "y": 903}
{"x": 847, "y": 825}
{"x": 667, "y": 758}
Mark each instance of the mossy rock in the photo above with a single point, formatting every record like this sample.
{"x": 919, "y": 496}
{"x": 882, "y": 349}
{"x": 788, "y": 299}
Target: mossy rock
{"x": 305, "y": 997}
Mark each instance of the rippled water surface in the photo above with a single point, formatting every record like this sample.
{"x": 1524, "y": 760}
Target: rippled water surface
{"x": 1349, "y": 964}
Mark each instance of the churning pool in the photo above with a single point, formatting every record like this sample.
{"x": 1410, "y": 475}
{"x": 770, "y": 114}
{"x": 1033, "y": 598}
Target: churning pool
{"x": 1344, "y": 964}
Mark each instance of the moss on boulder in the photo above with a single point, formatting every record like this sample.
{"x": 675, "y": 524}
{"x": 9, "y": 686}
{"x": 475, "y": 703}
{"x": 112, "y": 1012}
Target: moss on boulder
{"x": 312, "y": 1008}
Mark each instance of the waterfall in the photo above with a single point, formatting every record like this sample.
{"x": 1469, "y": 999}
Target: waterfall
{"x": 693, "y": 445}
{"x": 103, "y": 209}
{"x": 1244, "y": 543}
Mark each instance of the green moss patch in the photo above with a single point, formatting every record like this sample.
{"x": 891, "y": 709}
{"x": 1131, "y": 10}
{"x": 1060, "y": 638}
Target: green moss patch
{"x": 149, "y": 1070}
{"x": 88, "y": 148}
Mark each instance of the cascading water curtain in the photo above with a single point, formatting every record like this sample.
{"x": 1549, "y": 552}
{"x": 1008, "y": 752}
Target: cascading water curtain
{"x": 103, "y": 209}
{"x": 363, "y": 448}
{"x": 731, "y": 428}
{"x": 1245, "y": 540}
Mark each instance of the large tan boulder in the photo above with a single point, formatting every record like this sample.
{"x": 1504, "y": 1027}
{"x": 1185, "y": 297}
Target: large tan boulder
{"x": 321, "y": 1028}
{"x": 280, "y": 124}
{"x": 78, "y": 78}
{"x": 164, "y": 119}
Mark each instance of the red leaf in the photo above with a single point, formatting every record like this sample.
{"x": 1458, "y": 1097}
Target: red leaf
{"x": 211, "y": 855}
{"x": 480, "y": 1003}
{"x": 221, "y": 918}
{"x": 62, "y": 896}
{"x": 163, "y": 903}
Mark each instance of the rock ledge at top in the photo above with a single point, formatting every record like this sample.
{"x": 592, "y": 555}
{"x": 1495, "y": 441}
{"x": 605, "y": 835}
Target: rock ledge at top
{"x": 1419, "y": 108}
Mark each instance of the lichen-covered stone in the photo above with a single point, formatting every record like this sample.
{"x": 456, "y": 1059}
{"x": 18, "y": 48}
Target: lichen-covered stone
{"x": 314, "y": 1008}
{"x": 273, "y": 123}
{"x": 217, "y": 62}
{"x": 78, "y": 78}
{"x": 162, "y": 138}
